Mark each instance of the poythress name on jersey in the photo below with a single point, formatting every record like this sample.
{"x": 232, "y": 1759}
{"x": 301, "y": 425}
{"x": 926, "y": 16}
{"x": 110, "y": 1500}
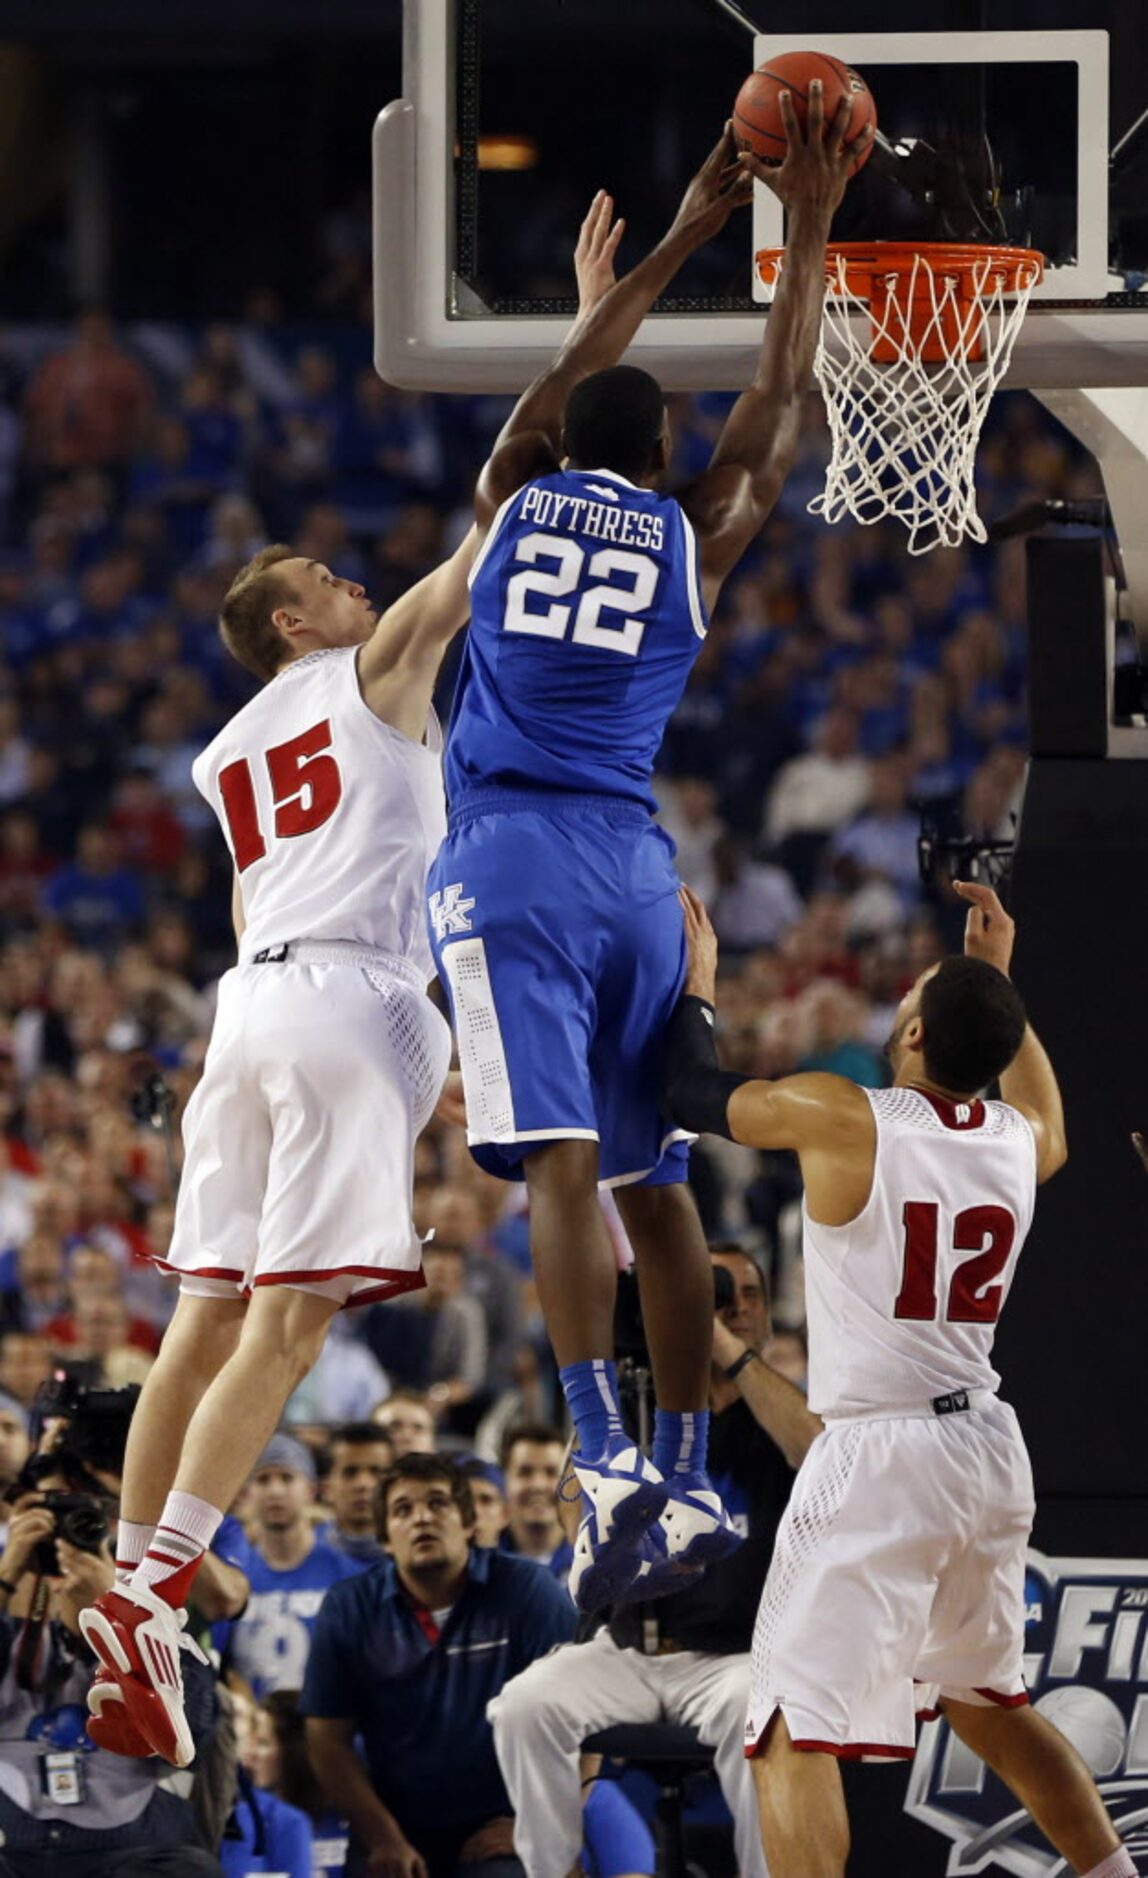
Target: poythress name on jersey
{"x": 550, "y": 508}
{"x": 1086, "y": 1666}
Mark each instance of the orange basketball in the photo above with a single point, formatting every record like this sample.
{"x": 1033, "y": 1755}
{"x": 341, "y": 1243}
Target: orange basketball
{"x": 757, "y": 121}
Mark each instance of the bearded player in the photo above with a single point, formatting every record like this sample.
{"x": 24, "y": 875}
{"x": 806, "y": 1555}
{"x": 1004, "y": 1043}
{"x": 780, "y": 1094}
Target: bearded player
{"x": 897, "y": 1581}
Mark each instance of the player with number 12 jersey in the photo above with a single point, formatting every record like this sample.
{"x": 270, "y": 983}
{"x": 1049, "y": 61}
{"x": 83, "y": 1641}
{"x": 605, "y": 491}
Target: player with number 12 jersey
{"x": 897, "y": 1583}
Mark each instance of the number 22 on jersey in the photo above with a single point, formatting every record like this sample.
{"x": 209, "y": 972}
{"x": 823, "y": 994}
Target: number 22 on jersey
{"x": 306, "y": 789}
{"x": 568, "y": 558}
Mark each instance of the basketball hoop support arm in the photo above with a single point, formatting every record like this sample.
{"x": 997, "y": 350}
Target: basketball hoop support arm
{"x": 1113, "y": 425}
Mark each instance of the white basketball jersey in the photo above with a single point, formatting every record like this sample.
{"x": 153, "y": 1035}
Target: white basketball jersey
{"x": 903, "y": 1302}
{"x": 332, "y": 816}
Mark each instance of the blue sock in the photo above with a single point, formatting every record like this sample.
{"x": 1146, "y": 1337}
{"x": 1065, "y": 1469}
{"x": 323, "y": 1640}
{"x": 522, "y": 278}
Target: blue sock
{"x": 680, "y": 1441}
{"x": 591, "y": 1391}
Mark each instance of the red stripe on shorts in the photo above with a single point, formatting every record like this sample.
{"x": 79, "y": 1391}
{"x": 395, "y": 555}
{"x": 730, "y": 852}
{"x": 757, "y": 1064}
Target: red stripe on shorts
{"x": 393, "y": 1281}
{"x": 198, "y": 1271}
{"x": 854, "y": 1750}
{"x": 1004, "y": 1701}
{"x": 841, "y": 1750}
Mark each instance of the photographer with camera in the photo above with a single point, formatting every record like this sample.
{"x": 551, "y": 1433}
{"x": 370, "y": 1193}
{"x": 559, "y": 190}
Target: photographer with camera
{"x": 70, "y": 1809}
{"x": 684, "y": 1658}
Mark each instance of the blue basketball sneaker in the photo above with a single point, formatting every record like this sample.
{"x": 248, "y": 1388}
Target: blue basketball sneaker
{"x": 696, "y": 1527}
{"x": 658, "y": 1575}
{"x": 624, "y": 1494}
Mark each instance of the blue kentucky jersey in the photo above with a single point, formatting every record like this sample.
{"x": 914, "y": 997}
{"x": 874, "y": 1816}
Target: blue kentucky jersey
{"x": 271, "y": 1640}
{"x": 586, "y": 616}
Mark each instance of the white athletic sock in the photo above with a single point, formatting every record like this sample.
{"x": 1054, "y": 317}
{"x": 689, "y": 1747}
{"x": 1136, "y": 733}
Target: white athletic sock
{"x": 1118, "y": 1864}
{"x": 186, "y": 1528}
{"x": 132, "y": 1541}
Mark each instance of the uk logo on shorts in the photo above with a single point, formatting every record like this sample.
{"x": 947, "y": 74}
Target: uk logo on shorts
{"x": 448, "y": 911}
{"x": 1086, "y": 1666}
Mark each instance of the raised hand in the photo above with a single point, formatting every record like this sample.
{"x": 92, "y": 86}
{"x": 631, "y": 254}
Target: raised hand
{"x": 818, "y": 162}
{"x": 598, "y": 240}
{"x": 719, "y": 188}
{"x": 989, "y": 932}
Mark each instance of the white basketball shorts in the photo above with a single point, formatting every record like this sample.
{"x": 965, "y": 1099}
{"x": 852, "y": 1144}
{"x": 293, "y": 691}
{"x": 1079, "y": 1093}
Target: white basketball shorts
{"x": 299, "y": 1139}
{"x": 897, "y": 1577}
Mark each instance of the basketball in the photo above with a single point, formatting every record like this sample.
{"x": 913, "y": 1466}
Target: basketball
{"x": 757, "y": 120}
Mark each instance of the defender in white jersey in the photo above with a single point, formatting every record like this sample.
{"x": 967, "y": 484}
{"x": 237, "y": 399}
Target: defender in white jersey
{"x": 897, "y": 1581}
{"x": 326, "y": 1060}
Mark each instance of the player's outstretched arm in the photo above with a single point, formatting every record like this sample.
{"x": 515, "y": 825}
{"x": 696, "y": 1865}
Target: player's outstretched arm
{"x": 399, "y": 664}
{"x": 1029, "y": 1083}
{"x": 809, "y": 1113}
{"x": 530, "y": 442}
{"x": 754, "y": 454}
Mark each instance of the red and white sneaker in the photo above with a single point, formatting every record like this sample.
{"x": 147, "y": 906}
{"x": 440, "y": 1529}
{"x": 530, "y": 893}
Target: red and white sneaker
{"x": 138, "y": 1639}
{"x": 109, "y": 1725}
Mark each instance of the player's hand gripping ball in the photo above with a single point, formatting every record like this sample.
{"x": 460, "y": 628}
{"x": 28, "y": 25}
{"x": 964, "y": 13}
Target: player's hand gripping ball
{"x": 757, "y": 120}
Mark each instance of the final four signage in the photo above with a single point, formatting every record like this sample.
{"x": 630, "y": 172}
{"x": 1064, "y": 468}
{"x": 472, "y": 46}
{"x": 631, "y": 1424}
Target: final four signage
{"x": 1086, "y": 1665}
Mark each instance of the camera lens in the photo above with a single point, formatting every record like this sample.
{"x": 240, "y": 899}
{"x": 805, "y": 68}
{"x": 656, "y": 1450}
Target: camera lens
{"x": 82, "y": 1524}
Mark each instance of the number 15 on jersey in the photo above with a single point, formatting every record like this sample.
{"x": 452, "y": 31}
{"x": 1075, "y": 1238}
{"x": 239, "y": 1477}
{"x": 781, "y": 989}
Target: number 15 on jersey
{"x": 306, "y": 789}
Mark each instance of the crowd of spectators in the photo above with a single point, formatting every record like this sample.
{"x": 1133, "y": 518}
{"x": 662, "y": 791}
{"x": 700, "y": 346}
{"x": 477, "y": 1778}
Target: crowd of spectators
{"x": 841, "y": 688}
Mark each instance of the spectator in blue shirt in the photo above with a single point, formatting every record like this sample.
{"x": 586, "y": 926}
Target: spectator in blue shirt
{"x": 290, "y": 1571}
{"x": 265, "y": 1835}
{"x": 99, "y": 901}
{"x": 277, "y": 1757}
{"x": 267, "y": 1831}
{"x": 532, "y": 1457}
{"x": 407, "y": 1656}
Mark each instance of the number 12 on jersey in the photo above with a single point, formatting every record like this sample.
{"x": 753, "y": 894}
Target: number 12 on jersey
{"x": 306, "y": 789}
{"x": 988, "y": 1232}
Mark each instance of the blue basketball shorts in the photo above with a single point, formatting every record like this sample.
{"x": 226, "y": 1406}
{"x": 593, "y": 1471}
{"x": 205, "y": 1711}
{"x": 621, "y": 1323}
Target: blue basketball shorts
{"x": 558, "y": 934}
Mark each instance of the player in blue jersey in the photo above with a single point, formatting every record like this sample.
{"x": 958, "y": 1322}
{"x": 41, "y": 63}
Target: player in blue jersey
{"x": 553, "y": 901}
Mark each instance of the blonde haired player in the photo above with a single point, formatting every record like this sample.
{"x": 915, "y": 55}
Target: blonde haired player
{"x": 326, "y": 1060}
{"x": 897, "y": 1581}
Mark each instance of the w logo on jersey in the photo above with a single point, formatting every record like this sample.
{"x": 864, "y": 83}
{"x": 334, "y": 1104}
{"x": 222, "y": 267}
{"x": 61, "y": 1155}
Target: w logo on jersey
{"x": 1086, "y": 1666}
{"x": 448, "y": 911}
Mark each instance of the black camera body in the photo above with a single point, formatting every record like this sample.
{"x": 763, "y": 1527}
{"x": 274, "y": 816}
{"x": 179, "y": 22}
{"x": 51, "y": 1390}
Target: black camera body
{"x": 97, "y": 1423}
{"x": 92, "y": 1440}
{"x": 80, "y": 1521}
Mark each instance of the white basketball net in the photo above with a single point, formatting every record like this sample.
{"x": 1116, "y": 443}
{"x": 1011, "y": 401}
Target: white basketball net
{"x": 905, "y": 433}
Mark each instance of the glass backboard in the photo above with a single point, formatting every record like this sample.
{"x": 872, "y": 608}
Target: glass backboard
{"x": 513, "y": 115}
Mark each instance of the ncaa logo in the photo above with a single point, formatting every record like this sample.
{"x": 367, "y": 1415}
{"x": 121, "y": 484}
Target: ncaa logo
{"x": 1086, "y": 1666}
